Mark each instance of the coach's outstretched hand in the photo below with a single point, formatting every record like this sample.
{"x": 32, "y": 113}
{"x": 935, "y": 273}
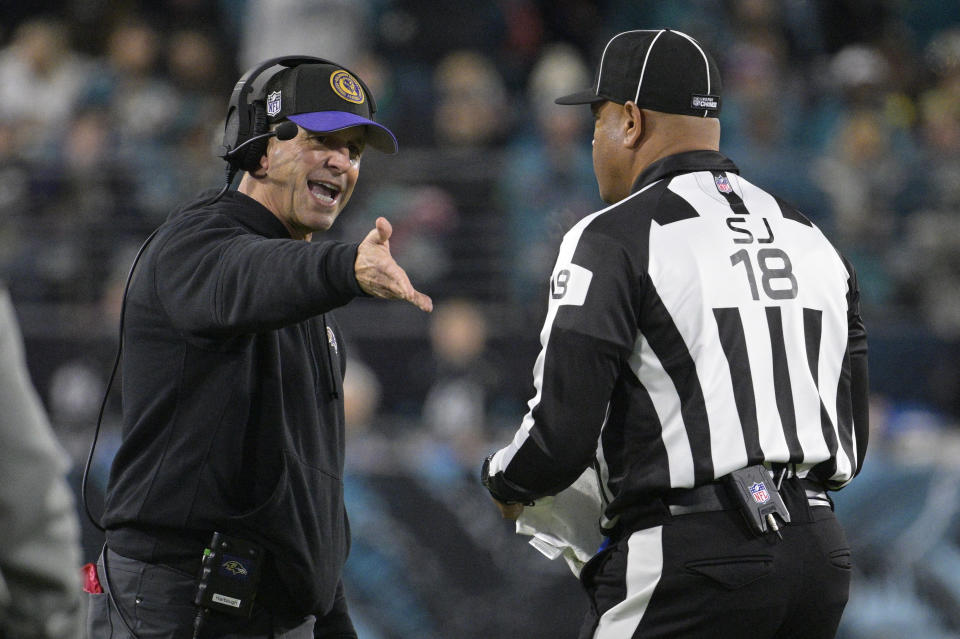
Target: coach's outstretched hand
{"x": 379, "y": 274}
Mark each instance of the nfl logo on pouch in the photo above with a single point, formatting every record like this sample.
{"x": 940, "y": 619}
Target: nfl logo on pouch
{"x": 759, "y": 492}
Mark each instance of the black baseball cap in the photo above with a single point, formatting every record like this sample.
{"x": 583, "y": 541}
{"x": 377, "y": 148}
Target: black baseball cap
{"x": 325, "y": 98}
{"x": 659, "y": 69}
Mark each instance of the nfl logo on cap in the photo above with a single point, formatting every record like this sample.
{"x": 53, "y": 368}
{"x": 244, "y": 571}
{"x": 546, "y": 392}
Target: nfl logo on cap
{"x": 759, "y": 492}
{"x": 273, "y": 103}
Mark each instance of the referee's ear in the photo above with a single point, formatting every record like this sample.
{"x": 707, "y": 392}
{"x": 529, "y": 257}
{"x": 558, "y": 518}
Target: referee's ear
{"x": 633, "y": 123}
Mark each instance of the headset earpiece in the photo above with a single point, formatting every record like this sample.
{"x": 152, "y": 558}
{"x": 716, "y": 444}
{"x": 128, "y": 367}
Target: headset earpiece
{"x": 249, "y": 158}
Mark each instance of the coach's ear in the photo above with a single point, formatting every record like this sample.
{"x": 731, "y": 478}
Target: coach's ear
{"x": 264, "y": 164}
{"x": 633, "y": 125}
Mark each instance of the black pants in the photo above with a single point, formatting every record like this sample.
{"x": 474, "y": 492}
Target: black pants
{"x": 706, "y": 575}
{"x": 157, "y": 603}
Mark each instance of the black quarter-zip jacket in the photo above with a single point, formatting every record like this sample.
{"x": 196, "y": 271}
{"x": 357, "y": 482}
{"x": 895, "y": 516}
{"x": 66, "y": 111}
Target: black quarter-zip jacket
{"x": 232, "y": 416}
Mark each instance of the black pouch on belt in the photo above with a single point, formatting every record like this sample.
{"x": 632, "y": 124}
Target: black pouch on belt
{"x": 756, "y": 496}
{"x": 229, "y": 575}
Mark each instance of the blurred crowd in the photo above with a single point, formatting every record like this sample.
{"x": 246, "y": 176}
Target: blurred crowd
{"x": 111, "y": 113}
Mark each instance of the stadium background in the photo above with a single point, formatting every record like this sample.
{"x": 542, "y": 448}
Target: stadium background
{"x": 111, "y": 112}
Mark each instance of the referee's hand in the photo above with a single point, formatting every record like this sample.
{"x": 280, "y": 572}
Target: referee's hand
{"x": 508, "y": 511}
{"x": 378, "y": 274}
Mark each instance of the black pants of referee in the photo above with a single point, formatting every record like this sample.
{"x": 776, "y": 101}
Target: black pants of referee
{"x": 707, "y": 575}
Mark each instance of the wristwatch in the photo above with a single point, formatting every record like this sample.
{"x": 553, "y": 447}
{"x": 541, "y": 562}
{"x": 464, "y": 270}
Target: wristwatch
{"x": 485, "y": 472}
{"x": 485, "y": 480}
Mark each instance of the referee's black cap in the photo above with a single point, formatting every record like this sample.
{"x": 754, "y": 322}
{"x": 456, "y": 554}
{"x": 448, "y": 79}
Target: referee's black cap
{"x": 659, "y": 69}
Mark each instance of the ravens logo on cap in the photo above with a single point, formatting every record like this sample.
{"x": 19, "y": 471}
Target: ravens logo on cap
{"x": 346, "y": 86}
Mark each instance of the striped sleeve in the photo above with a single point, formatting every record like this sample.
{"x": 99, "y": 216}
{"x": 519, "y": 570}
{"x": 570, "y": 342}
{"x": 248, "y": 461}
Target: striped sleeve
{"x": 587, "y": 336}
{"x": 859, "y": 379}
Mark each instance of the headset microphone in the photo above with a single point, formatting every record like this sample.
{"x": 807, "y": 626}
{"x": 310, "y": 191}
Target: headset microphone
{"x": 286, "y": 131}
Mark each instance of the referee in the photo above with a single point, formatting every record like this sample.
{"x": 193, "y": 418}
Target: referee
{"x": 703, "y": 354}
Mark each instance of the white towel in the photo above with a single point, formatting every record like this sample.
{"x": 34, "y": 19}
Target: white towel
{"x": 566, "y": 524}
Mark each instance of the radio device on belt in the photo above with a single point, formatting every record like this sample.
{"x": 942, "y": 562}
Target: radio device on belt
{"x": 758, "y": 499}
{"x": 229, "y": 575}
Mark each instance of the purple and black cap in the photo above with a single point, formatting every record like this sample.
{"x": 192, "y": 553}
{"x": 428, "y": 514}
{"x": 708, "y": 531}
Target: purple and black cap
{"x": 658, "y": 69}
{"x": 325, "y": 98}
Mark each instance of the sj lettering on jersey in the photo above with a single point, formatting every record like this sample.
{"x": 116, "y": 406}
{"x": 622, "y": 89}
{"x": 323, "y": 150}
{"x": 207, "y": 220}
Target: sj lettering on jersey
{"x": 569, "y": 285}
{"x": 732, "y": 224}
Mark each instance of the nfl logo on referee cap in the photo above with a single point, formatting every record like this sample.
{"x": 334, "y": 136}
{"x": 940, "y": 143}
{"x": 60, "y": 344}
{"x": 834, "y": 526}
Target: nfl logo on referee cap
{"x": 759, "y": 493}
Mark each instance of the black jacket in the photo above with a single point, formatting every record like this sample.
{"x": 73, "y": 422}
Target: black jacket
{"x": 232, "y": 415}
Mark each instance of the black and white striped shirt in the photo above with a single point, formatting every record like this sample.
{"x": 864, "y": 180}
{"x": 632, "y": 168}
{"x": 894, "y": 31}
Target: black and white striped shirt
{"x": 698, "y": 326}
